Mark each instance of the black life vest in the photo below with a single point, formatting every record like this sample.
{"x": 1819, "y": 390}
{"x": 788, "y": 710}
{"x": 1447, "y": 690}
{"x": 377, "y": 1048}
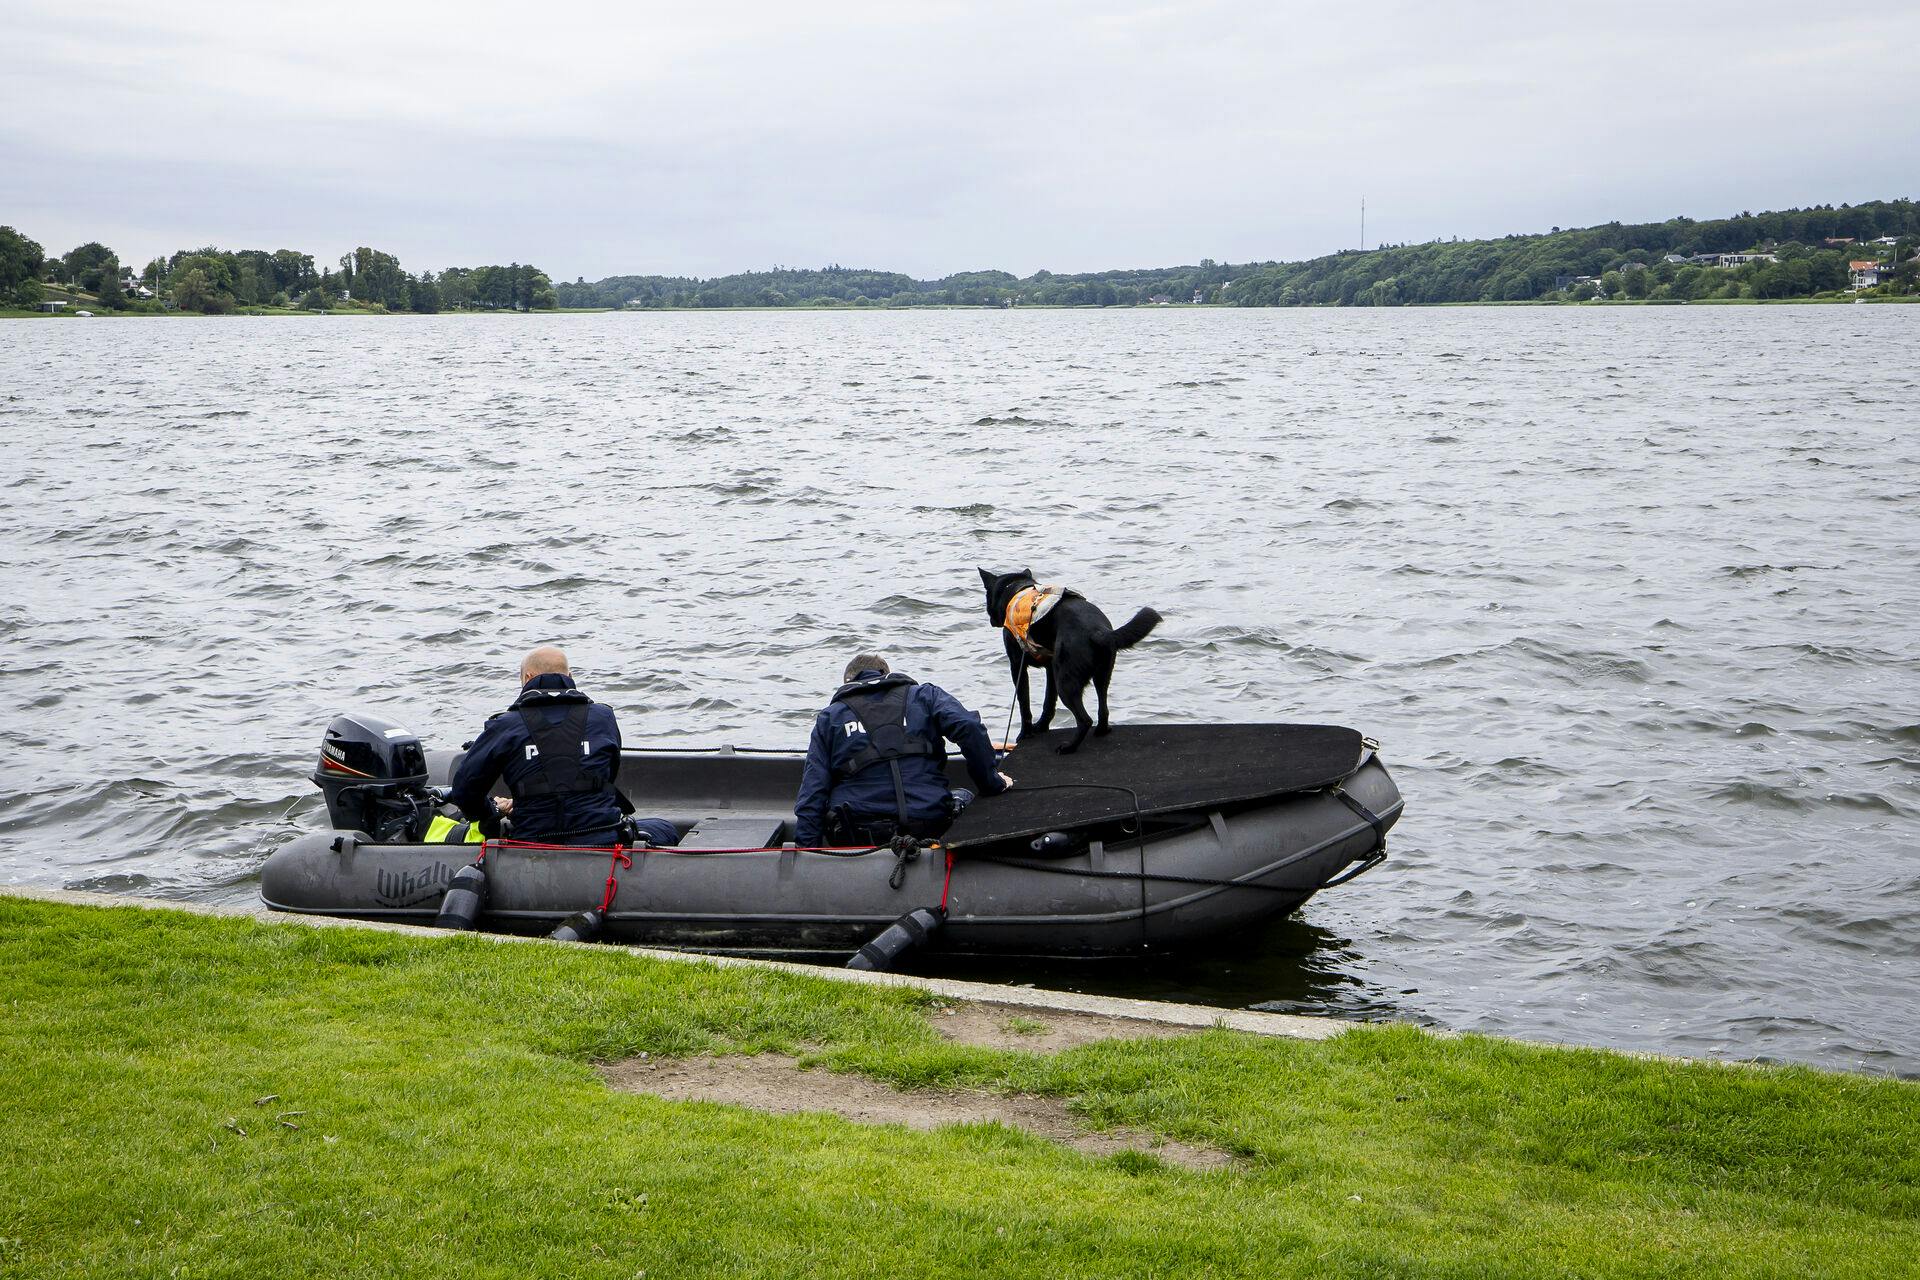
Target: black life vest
{"x": 880, "y": 707}
{"x": 560, "y": 749}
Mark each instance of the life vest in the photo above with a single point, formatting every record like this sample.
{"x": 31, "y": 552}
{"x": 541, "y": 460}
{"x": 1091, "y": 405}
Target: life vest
{"x": 560, "y": 750}
{"x": 880, "y": 708}
{"x": 1027, "y": 608}
{"x": 444, "y": 830}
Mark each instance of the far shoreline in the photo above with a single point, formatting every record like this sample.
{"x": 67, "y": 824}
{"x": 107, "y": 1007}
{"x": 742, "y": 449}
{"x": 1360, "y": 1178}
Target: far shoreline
{"x": 21, "y": 313}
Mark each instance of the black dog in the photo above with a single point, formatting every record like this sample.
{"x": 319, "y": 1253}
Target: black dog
{"x": 1071, "y": 638}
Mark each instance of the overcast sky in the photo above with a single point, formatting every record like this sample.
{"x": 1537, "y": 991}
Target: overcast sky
{"x": 612, "y": 138}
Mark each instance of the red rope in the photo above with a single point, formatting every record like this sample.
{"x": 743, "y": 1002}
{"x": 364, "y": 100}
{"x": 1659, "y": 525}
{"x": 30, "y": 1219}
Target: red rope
{"x": 667, "y": 848}
{"x": 620, "y": 859}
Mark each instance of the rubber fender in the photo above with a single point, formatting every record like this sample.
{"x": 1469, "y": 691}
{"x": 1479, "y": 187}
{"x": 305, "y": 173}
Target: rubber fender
{"x": 466, "y": 897}
{"x": 583, "y": 926}
{"x": 903, "y": 935}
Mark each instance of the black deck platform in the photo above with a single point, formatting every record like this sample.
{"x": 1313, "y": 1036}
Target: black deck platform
{"x": 1168, "y": 766}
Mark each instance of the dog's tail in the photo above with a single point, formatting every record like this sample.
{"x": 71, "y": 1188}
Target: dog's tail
{"x": 1131, "y": 632}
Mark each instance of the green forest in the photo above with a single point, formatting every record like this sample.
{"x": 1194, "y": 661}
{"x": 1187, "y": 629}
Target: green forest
{"x": 1812, "y": 249}
{"x": 213, "y": 281}
{"x": 849, "y": 286}
{"x": 1613, "y": 262}
{"x": 1869, "y": 250}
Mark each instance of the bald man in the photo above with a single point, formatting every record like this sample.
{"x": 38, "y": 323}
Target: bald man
{"x": 559, "y": 752}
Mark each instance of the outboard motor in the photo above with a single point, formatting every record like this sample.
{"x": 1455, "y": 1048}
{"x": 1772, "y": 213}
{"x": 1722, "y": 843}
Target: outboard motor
{"x": 373, "y": 773}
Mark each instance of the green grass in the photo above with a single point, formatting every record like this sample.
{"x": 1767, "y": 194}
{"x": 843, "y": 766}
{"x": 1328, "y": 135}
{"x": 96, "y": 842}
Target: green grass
{"x": 452, "y": 1125}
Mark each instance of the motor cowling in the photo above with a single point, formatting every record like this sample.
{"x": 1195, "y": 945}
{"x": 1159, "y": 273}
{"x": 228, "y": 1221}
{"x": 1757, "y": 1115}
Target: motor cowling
{"x": 373, "y": 774}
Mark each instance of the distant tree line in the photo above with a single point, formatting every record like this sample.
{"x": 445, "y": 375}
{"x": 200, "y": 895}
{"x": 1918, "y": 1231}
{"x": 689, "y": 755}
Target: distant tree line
{"x": 855, "y": 287}
{"x": 1811, "y": 250}
{"x": 215, "y": 281}
{"x": 1515, "y": 268}
{"x": 1527, "y": 268}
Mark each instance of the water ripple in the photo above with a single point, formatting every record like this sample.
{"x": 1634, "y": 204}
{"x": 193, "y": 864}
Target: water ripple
{"x": 1623, "y": 593}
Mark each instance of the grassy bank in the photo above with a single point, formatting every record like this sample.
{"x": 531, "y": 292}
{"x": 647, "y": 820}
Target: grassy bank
{"x": 449, "y": 1122}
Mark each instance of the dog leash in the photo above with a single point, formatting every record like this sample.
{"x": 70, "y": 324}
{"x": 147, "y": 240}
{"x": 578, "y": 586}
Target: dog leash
{"x": 1019, "y": 675}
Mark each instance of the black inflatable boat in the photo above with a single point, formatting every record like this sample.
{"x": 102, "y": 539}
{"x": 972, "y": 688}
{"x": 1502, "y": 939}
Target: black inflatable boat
{"x": 1154, "y": 837}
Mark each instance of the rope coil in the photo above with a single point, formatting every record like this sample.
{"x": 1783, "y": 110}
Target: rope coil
{"x": 904, "y": 849}
{"x": 620, "y": 859}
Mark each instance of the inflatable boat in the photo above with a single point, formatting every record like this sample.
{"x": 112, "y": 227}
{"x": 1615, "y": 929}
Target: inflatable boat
{"x": 1152, "y": 837}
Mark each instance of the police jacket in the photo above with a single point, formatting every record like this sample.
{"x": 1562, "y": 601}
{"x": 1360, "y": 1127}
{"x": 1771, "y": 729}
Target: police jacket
{"x": 842, "y": 770}
{"x": 559, "y": 751}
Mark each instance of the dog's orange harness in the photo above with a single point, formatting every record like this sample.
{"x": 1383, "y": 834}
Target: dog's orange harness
{"x": 1027, "y": 608}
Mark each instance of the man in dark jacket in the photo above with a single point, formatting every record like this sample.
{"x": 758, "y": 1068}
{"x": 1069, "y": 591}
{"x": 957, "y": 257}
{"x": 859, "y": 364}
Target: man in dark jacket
{"x": 559, "y": 751}
{"x": 877, "y": 764}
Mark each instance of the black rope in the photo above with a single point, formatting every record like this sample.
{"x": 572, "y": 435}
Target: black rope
{"x": 1139, "y": 831}
{"x": 1365, "y": 814}
{"x": 1144, "y": 876}
{"x": 904, "y": 849}
{"x": 1019, "y": 674}
{"x": 1133, "y": 797}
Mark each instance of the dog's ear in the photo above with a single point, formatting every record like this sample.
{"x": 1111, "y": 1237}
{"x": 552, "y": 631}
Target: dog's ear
{"x": 994, "y": 609}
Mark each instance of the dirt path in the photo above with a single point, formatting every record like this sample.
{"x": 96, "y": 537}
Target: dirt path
{"x": 1040, "y": 1030}
{"x": 777, "y": 1085}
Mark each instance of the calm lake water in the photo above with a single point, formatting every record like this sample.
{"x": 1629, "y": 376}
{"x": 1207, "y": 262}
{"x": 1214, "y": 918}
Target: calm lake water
{"x": 1626, "y": 595}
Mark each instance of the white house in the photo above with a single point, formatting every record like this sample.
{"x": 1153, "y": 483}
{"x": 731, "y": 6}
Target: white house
{"x": 1866, "y": 274}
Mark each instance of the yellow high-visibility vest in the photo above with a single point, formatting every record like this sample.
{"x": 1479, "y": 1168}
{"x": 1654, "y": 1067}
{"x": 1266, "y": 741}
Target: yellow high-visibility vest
{"x": 444, "y": 830}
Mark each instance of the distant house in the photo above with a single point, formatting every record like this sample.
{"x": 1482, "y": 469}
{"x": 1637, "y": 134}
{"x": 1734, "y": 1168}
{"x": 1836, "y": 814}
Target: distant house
{"x": 1675, "y": 258}
{"x": 1633, "y": 266}
{"x": 1160, "y": 300}
{"x": 1837, "y": 242}
{"x": 1866, "y": 274}
{"x": 1199, "y": 296}
{"x": 51, "y": 307}
{"x": 1888, "y": 240}
{"x": 1742, "y": 259}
